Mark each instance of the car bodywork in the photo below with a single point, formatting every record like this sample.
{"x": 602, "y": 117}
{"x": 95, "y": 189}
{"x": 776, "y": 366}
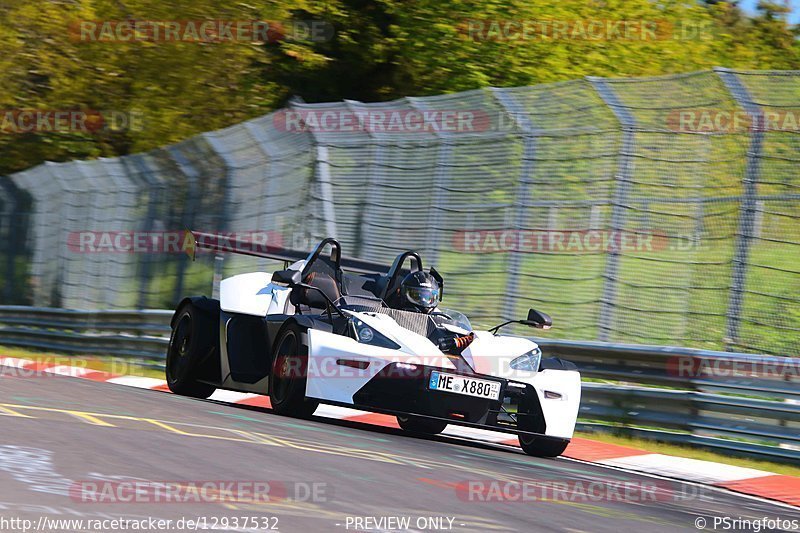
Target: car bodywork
{"x": 355, "y": 351}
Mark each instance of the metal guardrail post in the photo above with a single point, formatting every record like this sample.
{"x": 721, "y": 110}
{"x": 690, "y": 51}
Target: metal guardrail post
{"x": 748, "y": 206}
{"x": 618, "y": 215}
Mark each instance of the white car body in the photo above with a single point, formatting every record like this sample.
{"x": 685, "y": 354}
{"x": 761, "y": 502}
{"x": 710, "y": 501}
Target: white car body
{"x": 428, "y": 369}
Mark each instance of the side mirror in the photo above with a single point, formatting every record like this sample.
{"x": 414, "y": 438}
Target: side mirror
{"x": 537, "y": 319}
{"x": 440, "y": 280}
{"x": 287, "y": 277}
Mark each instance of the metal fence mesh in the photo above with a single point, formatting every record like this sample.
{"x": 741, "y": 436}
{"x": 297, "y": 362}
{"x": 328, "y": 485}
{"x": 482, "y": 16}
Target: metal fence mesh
{"x": 698, "y": 229}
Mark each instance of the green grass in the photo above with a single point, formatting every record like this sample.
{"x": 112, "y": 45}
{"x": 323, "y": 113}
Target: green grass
{"x": 690, "y": 453}
{"x": 664, "y": 297}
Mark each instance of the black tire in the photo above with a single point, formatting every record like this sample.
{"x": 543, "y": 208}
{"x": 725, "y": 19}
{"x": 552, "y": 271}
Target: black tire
{"x": 421, "y": 425}
{"x": 287, "y": 378}
{"x": 542, "y": 447}
{"x": 189, "y": 344}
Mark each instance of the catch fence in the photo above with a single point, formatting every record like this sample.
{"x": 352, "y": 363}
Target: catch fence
{"x": 658, "y": 210}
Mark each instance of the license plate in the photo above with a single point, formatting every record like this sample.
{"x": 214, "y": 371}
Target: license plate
{"x": 480, "y": 388}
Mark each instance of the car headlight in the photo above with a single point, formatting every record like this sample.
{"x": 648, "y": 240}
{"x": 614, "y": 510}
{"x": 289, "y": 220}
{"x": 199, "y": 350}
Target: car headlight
{"x": 367, "y": 335}
{"x": 529, "y": 361}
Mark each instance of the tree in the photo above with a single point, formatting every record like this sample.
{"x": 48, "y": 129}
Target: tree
{"x": 379, "y": 50}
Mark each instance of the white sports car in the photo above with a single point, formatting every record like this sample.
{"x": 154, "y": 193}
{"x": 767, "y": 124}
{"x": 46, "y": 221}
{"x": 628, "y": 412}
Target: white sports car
{"x": 321, "y": 332}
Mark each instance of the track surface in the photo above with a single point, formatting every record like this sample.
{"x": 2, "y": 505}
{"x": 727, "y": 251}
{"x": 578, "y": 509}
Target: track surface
{"x": 58, "y": 431}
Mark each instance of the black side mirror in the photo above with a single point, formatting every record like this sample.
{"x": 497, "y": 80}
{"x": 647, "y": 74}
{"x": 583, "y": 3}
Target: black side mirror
{"x": 537, "y": 319}
{"x": 440, "y": 280}
{"x": 287, "y": 277}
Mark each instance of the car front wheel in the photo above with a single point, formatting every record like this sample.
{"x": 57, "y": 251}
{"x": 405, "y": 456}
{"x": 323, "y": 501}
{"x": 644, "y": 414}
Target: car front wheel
{"x": 542, "y": 446}
{"x": 287, "y": 379}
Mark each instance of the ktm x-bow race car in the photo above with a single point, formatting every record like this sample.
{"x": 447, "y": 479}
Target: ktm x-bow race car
{"x": 328, "y": 330}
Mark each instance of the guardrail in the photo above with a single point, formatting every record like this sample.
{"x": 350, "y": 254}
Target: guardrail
{"x": 742, "y": 404}
{"x": 136, "y": 333}
{"x": 746, "y": 404}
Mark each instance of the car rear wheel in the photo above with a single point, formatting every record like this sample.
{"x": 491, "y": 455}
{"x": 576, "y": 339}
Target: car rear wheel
{"x": 542, "y": 447}
{"x": 188, "y": 345}
{"x": 421, "y": 425}
{"x": 287, "y": 379}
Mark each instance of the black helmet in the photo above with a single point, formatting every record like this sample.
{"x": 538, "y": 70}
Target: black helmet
{"x": 421, "y": 290}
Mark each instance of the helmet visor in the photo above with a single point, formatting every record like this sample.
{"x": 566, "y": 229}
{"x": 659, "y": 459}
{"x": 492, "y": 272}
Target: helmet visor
{"x": 426, "y": 297}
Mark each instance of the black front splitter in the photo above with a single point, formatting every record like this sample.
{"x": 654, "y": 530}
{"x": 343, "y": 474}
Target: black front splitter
{"x": 453, "y": 421}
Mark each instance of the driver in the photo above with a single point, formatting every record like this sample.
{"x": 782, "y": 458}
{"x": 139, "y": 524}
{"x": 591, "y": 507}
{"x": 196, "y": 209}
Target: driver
{"x": 418, "y": 292}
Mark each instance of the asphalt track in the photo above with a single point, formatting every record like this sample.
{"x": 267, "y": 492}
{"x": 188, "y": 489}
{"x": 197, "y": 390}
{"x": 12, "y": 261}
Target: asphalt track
{"x": 59, "y": 433}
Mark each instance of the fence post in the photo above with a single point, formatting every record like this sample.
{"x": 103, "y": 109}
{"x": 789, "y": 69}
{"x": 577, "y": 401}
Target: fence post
{"x": 517, "y": 114}
{"x": 326, "y": 189}
{"x": 444, "y": 163}
{"x": 219, "y": 264}
{"x": 99, "y": 209}
{"x": 8, "y": 217}
{"x": 322, "y": 174}
{"x": 374, "y": 191}
{"x": 219, "y": 259}
{"x": 189, "y": 213}
{"x": 72, "y": 275}
{"x": 262, "y": 141}
{"x": 46, "y": 192}
{"x": 748, "y": 206}
{"x": 618, "y": 215}
{"x": 153, "y": 188}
